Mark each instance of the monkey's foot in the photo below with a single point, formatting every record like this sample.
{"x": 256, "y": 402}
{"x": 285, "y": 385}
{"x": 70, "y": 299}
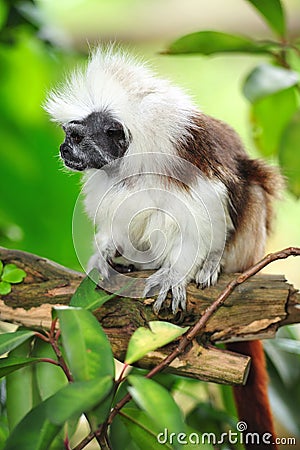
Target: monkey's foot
{"x": 165, "y": 280}
{"x": 209, "y": 273}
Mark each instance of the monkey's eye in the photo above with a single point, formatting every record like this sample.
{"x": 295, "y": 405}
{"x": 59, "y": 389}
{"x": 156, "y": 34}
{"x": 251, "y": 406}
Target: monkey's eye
{"x": 116, "y": 133}
{"x": 76, "y": 137}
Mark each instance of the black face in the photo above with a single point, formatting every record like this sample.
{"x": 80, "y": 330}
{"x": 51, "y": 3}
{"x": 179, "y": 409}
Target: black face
{"x": 93, "y": 142}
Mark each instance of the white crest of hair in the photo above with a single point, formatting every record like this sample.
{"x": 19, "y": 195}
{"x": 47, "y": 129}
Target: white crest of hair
{"x": 156, "y": 112}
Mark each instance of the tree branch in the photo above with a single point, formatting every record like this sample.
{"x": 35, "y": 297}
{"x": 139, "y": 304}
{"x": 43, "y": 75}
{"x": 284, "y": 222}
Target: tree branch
{"x": 255, "y": 310}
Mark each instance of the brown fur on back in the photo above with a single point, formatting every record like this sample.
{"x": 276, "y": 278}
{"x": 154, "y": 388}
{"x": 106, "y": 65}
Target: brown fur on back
{"x": 216, "y": 149}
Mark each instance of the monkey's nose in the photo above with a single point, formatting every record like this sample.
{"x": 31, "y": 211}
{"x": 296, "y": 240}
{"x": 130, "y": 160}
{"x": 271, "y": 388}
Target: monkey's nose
{"x": 65, "y": 151}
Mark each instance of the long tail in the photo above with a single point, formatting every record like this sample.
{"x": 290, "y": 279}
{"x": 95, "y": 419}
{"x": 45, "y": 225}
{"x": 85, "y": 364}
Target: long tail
{"x": 252, "y": 399}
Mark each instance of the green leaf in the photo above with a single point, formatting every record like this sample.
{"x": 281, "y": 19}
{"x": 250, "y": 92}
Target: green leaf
{"x": 9, "y": 341}
{"x": 11, "y": 363}
{"x": 39, "y": 427}
{"x": 87, "y": 295}
{"x": 34, "y": 432}
{"x": 269, "y": 117}
{"x": 273, "y": 13}
{"x": 158, "y": 404}
{"x": 266, "y": 79}
{"x": 12, "y": 274}
{"x": 5, "y": 288}
{"x": 142, "y": 429}
{"x": 87, "y": 347}
{"x": 1, "y": 267}
{"x": 100, "y": 413}
{"x": 120, "y": 438}
{"x": 76, "y": 398}
{"x": 4, "y": 432}
{"x": 20, "y": 400}
{"x": 289, "y": 153}
{"x": 145, "y": 340}
{"x": 50, "y": 378}
{"x": 211, "y": 42}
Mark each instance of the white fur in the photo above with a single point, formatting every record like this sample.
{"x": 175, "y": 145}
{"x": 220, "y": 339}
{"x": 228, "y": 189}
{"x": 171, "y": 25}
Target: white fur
{"x": 148, "y": 106}
{"x": 181, "y": 233}
{"x": 155, "y": 224}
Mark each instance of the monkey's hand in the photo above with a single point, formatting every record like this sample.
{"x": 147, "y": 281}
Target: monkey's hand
{"x": 166, "y": 279}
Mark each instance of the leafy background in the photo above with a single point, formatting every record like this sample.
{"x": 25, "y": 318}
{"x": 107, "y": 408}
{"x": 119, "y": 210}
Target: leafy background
{"x": 37, "y": 195}
{"x": 41, "y": 41}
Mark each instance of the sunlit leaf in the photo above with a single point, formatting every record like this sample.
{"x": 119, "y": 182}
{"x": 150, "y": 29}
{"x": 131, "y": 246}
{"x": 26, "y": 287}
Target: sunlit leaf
{"x": 211, "y": 42}
{"x": 267, "y": 126}
{"x": 88, "y": 351}
{"x": 158, "y": 404}
{"x": 289, "y": 154}
{"x": 9, "y": 341}
{"x": 145, "y": 340}
{"x": 5, "y": 288}
{"x": 13, "y": 276}
{"x": 266, "y": 79}
{"x": 272, "y": 12}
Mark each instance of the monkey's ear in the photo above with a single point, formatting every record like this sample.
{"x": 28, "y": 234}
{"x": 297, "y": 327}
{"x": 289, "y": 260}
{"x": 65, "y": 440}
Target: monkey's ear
{"x": 120, "y": 136}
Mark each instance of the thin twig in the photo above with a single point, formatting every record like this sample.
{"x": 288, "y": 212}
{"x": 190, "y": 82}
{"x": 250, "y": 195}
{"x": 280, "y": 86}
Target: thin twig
{"x": 89, "y": 438}
{"x": 50, "y": 361}
{"x": 199, "y": 326}
{"x": 53, "y": 340}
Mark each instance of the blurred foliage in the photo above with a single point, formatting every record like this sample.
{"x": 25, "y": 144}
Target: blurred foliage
{"x": 36, "y": 207}
{"x": 36, "y": 199}
{"x": 272, "y": 88}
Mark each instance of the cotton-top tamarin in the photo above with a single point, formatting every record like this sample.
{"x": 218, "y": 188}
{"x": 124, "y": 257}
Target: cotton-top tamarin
{"x": 169, "y": 187}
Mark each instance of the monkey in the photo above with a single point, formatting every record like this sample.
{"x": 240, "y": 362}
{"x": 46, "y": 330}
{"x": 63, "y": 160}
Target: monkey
{"x": 141, "y": 142}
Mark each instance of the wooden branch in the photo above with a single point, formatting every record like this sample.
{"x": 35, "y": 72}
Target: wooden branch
{"x": 255, "y": 310}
